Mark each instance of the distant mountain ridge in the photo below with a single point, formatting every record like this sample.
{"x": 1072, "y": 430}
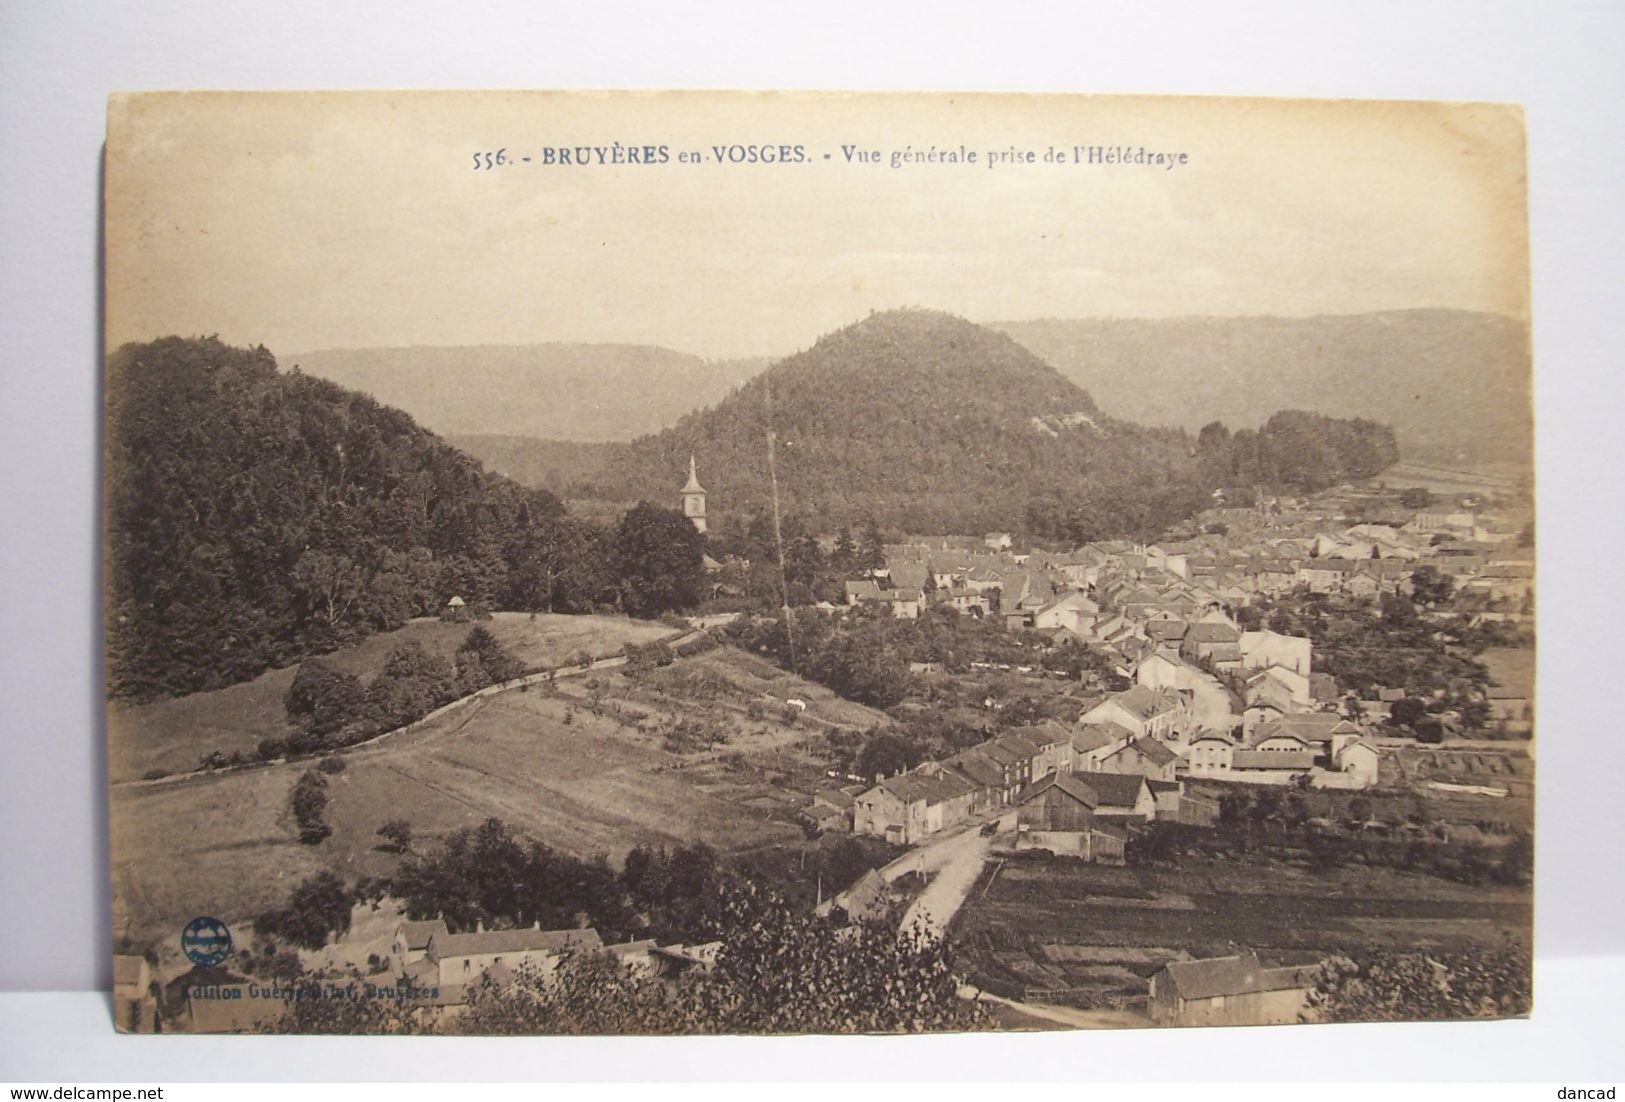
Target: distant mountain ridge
{"x": 1454, "y": 384}
{"x": 580, "y": 392}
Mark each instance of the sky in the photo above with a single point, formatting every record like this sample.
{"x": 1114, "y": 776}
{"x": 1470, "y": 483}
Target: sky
{"x": 307, "y": 222}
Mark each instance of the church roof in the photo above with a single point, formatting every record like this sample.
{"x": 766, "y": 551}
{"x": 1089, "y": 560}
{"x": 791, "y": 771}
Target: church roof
{"x": 693, "y": 486}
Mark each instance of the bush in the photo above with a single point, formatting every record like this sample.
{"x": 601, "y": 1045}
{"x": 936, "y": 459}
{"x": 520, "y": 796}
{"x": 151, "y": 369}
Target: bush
{"x": 309, "y": 804}
{"x": 323, "y": 700}
{"x": 331, "y": 764}
{"x": 269, "y": 749}
{"x": 397, "y": 833}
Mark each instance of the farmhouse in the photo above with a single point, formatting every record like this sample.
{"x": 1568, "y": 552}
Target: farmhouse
{"x": 906, "y": 808}
{"x": 434, "y": 956}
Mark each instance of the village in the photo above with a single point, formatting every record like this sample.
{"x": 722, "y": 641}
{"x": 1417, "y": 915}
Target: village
{"x": 1201, "y": 697}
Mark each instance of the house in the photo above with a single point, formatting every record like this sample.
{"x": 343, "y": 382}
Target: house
{"x": 825, "y": 819}
{"x": 1359, "y": 761}
{"x": 1261, "y": 649}
{"x": 1145, "y": 756}
{"x": 1168, "y": 796}
{"x": 1120, "y": 796}
{"x": 1052, "y": 745}
{"x": 1012, "y": 753}
{"x": 1073, "y": 611}
{"x": 1056, "y": 802}
{"x": 1275, "y": 760}
{"x": 907, "y": 808}
{"x": 1205, "y": 639}
{"x": 434, "y": 956}
{"x": 1210, "y": 754}
{"x": 991, "y": 784}
{"x": 1093, "y": 741}
{"x": 1057, "y": 813}
{"x": 1320, "y": 730}
{"x": 1158, "y": 671}
{"x": 1235, "y": 990}
{"x": 1162, "y": 713}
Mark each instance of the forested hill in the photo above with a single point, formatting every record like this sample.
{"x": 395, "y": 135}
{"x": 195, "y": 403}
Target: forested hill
{"x": 1454, "y": 384}
{"x": 925, "y": 422}
{"x": 254, "y": 516}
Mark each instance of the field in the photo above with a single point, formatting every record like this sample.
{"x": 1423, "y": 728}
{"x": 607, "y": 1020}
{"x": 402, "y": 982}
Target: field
{"x": 1490, "y": 478}
{"x": 583, "y": 767}
{"x": 1064, "y": 931}
{"x": 172, "y": 735}
{"x": 1513, "y": 667}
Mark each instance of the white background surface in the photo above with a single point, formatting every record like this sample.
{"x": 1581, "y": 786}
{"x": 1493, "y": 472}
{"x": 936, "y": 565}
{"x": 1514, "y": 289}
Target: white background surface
{"x": 58, "y": 62}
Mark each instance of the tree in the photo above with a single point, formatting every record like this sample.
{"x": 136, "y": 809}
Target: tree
{"x": 413, "y": 682}
{"x": 844, "y": 557}
{"x": 1416, "y": 497}
{"x": 1400, "y": 987}
{"x": 1398, "y": 611}
{"x": 322, "y": 700}
{"x": 871, "y": 550}
{"x": 779, "y": 970}
{"x": 317, "y": 908}
{"x": 658, "y": 560}
{"x": 331, "y": 584}
{"x": 886, "y": 755}
{"x": 482, "y": 661}
{"x": 308, "y": 801}
{"x": 397, "y": 833}
{"x": 1431, "y": 587}
{"x": 1406, "y": 712}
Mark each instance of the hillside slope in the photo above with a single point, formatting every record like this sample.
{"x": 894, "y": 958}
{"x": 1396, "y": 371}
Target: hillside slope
{"x": 255, "y": 516}
{"x": 920, "y": 419}
{"x": 1453, "y": 384}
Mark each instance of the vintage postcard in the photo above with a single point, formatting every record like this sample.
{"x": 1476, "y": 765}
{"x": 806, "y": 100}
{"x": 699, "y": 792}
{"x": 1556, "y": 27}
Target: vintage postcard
{"x": 811, "y": 563}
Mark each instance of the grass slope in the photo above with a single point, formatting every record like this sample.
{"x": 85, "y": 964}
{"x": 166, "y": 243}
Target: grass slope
{"x": 173, "y": 734}
{"x": 225, "y": 845}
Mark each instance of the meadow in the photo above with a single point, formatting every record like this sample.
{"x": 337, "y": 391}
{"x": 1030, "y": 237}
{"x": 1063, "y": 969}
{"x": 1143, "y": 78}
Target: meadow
{"x": 170, "y": 736}
{"x": 586, "y": 766}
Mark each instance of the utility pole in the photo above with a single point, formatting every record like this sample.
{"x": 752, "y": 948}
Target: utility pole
{"x": 778, "y": 530}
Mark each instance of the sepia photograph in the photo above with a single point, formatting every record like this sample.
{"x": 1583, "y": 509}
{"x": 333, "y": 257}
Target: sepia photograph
{"x": 670, "y": 563}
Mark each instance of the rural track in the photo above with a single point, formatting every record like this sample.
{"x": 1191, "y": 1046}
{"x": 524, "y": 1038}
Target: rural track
{"x": 606, "y": 662}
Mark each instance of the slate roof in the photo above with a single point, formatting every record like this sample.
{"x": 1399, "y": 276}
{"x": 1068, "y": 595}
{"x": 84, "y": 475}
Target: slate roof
{"x": 976, "y": 768}
{"x": 1150, "y": 749}
{"x": 1092, "y": 736}
{"x": 528, "y": 939}
{"x": 417, "y": 932}
{"x": 1212, "y": 633}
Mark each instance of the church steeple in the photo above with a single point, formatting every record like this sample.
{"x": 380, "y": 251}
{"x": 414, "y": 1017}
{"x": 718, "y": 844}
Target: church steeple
{"x": 694, "y": 497}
